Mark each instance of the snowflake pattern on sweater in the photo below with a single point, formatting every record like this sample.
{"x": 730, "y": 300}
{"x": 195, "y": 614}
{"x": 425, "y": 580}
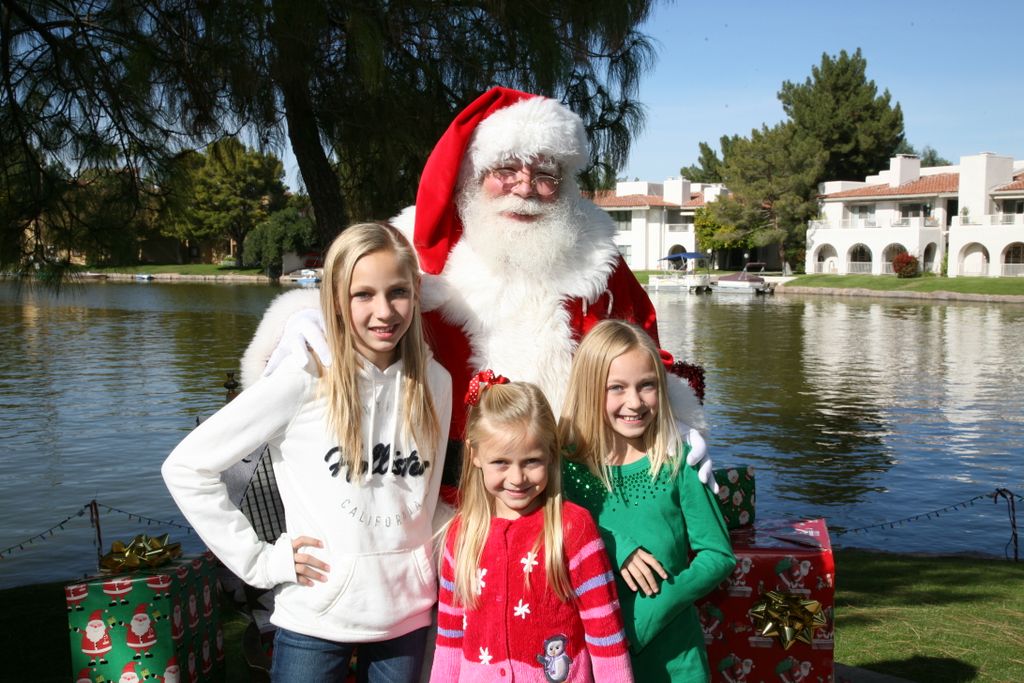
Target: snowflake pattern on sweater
{"x": 520, "y": 630}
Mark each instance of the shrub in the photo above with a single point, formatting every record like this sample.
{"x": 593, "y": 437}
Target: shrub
{"x": 905, "y": 265}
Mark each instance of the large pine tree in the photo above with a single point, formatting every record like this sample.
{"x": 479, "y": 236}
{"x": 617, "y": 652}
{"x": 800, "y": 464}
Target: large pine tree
{"x": 841, "y": 109}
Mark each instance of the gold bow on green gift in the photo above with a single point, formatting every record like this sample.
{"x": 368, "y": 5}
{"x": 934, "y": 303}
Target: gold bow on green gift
{"x": 141, "y": 551}
{"x": 788, "y": 617}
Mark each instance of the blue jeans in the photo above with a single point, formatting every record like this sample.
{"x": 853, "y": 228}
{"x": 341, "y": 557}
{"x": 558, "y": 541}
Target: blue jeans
{"x": 300, "y": 658}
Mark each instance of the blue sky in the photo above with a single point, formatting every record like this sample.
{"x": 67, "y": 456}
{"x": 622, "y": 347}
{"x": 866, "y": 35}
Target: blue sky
{"x": 954, "y": 67}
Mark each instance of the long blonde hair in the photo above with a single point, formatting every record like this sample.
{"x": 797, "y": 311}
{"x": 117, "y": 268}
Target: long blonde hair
{"x": 339, "y": 382}
{"x": 501, "y": 409}
{"x": 585, "y": 426}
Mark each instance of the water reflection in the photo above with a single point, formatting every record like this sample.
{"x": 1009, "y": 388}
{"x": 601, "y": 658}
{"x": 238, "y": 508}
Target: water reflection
{"x": 858, "y": 410}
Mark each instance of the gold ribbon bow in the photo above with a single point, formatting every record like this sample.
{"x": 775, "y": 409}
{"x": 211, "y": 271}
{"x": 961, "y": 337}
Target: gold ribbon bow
{"x": 788, "y": 617}
{"x": 141, "y": 551}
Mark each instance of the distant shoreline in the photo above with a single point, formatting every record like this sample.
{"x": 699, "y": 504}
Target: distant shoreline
{"x": 900, "y": 294}
{"x": 178, "y": 277}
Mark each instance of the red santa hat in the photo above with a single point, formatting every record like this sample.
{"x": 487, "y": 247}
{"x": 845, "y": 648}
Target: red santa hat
{"x": 84, "y": 675}
{"x": 129, "y": 668}
{"x": 141, "y": 609}
{"x": 97, "y": 615}
{"x": 501, "y": 124}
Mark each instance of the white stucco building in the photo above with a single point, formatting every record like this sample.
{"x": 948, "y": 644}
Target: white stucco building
{"x": 655, "y": 219}
{"x": 973, "y": 212}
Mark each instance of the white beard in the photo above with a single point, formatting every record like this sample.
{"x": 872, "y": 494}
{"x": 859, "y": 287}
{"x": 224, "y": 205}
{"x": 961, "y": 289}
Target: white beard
{"x": 95, "y": 632}
{"x": 507, "y": 281}
{"x": 140, "y": 625}
{"x": 526, "y": 249}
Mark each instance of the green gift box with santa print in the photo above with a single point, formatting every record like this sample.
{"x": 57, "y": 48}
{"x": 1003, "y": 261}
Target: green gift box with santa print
{"x": 157, "y": 622}
{"x": 736, "y": 495}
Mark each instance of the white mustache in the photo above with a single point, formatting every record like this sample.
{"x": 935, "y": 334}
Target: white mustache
{"x": 520, "y": 205}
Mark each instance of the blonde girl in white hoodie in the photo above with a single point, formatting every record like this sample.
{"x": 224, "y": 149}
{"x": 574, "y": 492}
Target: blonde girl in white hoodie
{"x": 357, "y": 449}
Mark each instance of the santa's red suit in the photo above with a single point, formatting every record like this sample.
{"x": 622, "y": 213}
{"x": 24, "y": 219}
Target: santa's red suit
{"x": 96, "y": 638}
{"x": 141, "y": 635}
{"x": 482, "y": 314}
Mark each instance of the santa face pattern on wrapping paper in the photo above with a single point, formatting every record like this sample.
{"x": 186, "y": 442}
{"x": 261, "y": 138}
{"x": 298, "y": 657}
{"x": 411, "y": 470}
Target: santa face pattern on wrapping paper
{"x": 177, "y": 627}
{"x": 140, "y": 634}
{"x": 96, "y": 641}
{"x": 172, "y": 674}
{"x": 75, "y": 594}
{"x": 193, "y": 611}
{"x": 117, "y": 590}
{"x": 207, "y": 599}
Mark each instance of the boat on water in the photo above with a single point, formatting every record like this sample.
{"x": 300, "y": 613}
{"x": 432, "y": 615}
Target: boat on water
{"x": 143, "y": 277}
{"x": 690, "y": 273}
{"x": 306, "y": 277}
{"x": 748, "y": 281}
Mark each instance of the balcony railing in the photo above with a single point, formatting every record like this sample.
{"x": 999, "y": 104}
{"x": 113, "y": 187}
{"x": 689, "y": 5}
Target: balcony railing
{"x": 876, "y": 222}
{"x": 679, "y": 227}
{"x": 1002, "y": 219}
{"x": 859, "y": 267}
{"x": 1013, "y": 270}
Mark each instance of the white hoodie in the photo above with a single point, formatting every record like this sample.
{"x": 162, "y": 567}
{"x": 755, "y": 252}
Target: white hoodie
{"x": 376, "y": 533}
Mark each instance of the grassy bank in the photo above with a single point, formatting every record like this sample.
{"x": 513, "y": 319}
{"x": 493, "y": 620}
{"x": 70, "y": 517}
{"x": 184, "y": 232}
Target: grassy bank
{"x": 207, "y": 269}
{"x": 928, "y": 284}
{"x": 926, "y": 619}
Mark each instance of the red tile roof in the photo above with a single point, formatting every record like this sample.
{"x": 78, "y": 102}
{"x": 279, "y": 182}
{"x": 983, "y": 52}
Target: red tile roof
{"x": 610, "y": 201}
{"x": 925, "y": 185}
{"x": 696, "y": 201}
{"x": 1017, "y": 184}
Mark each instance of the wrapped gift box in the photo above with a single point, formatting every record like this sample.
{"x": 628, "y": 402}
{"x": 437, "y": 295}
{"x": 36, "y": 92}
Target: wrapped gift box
{"x": 736, "y": 495}
{"x": 162, "y": 622}
{"x": 788, "y": 561}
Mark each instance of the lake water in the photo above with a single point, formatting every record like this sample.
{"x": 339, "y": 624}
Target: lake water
{"x": 863, "y": 411}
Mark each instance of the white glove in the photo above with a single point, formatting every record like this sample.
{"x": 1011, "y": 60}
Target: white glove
{"x": 303, "y": 327}
{"x": 698, "y": 457}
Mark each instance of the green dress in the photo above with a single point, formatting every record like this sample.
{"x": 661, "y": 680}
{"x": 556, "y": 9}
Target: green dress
{"x": 668, "y": 517}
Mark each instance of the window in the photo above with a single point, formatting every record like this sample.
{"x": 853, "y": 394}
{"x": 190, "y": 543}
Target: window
{"x": 623, "y": 220}
{"x": 626, "y": 250}
{"x": 863, "y": 211}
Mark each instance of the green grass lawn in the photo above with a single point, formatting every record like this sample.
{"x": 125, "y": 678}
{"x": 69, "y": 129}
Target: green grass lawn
{"x": 925, "y": 619}
{"x": 180, "y": 268}
{"x": 962, "y": 285}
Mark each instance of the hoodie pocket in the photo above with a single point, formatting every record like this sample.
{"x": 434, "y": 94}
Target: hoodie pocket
{"x": 321, "y": 596}
{"x": 386, "y": 588}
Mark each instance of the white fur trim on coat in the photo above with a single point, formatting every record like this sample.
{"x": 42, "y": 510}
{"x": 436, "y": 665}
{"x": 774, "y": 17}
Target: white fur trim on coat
{"x": 268, "y": 333}
{"x": 685, "y": 406}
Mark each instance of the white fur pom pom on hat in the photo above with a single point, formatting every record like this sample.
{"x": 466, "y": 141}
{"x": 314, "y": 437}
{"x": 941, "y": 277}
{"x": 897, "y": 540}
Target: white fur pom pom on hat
{"x": 529, "y": 129}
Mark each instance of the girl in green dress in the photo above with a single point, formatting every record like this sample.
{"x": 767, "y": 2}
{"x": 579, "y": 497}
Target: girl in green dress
{"x": 626, "y": 463}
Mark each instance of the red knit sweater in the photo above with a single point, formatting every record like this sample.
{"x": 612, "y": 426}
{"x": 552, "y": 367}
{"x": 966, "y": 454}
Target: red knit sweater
{"x": 525, "y": 633}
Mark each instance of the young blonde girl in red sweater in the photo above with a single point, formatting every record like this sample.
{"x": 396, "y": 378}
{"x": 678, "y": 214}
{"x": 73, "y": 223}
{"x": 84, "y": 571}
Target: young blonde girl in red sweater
{"x": 527, "y": 591}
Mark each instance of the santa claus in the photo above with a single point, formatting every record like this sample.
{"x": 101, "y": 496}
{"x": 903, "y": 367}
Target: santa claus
{"x": 95, "y": 640}
{"x": 141, "y": 636}
{"x": 172, "y": 672}
{"x": 517, "y": 264}
{"x": 128, "y": 674}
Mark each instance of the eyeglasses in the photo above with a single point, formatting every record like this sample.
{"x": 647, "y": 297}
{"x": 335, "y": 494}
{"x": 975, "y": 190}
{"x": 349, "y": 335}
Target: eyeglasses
{"x": 544, "y": 184}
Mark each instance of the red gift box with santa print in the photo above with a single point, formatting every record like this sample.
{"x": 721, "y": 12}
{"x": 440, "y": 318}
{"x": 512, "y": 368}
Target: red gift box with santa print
{"x": 787, "y": 561}
{"x": 161, "y": 623}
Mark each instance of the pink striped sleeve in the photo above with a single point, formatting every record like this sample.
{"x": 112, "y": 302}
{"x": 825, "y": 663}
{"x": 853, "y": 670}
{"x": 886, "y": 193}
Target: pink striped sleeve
{"x": 450, "y": 624}
{"x": 593, "y": 581}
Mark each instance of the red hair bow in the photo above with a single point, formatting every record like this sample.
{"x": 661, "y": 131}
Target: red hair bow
{"x": 481, "y": 381}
